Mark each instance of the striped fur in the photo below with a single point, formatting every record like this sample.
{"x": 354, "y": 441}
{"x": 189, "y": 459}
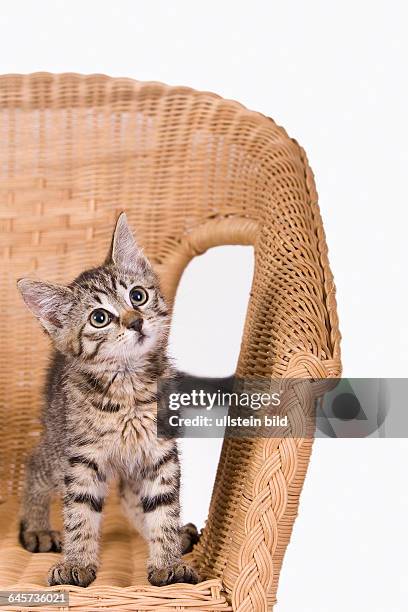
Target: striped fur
{"x": 100, "y": 418}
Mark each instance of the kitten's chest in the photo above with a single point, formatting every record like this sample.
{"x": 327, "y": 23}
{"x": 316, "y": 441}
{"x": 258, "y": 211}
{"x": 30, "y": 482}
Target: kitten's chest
{"x": 134, "y": 428}
{"x": 133, "y": 442}
{"x": 136, "y": 425}
{"x": 117, "y": 417}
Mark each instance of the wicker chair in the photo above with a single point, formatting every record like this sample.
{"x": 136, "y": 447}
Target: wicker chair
{"x": 193, "y": 171}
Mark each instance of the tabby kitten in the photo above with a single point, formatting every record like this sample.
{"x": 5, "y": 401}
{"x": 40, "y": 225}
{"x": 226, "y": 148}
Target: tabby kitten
{"x": 109, "y": 329}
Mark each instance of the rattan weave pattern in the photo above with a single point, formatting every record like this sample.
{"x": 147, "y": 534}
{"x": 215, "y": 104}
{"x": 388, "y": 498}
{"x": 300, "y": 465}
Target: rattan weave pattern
{"x": 192, "y": 171}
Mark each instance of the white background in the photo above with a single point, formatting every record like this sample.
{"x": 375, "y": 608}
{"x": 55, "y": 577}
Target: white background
{"x": 334, "y": 75}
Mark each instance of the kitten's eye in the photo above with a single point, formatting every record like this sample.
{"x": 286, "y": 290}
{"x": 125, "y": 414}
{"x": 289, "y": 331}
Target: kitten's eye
{"x": 138, "y": 296}
{"x": 100, "y": 318}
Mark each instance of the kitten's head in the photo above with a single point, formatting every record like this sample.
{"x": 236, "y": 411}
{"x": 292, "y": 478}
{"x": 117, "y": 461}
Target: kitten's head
{"x": 114, "y": 313}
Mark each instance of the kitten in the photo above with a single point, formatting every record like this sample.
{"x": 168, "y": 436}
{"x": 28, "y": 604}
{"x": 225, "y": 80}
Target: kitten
{"x": 109, "y": 329}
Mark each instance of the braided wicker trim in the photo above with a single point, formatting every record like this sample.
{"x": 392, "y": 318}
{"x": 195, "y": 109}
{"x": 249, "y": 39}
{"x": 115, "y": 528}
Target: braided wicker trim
{"x": 204, "y": 597}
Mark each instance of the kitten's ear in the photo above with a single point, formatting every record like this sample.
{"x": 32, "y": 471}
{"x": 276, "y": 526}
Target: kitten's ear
{"x": 49, "y": 303}
{"x": 124, "y": 251}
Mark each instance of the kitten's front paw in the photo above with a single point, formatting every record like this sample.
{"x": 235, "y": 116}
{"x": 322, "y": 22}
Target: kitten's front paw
{"x": 179, "y": 572}
{"x": 40, "y": 541}
{"x": 70, "y": 573}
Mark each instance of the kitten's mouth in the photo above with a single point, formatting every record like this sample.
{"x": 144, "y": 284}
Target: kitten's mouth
{"x": 141, "y": 338}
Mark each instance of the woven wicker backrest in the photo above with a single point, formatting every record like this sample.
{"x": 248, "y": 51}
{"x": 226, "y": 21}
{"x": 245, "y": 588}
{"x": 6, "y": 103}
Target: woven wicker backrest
{"x": 192, "y": 171}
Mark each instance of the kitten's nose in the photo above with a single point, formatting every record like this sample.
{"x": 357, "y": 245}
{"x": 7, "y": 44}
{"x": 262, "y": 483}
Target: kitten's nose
{"x": 136, "y": 325}
{"x": 133, "y": 320}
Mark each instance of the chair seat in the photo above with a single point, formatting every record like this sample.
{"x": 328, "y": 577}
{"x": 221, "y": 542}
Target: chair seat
{"x": 121, "y": 579}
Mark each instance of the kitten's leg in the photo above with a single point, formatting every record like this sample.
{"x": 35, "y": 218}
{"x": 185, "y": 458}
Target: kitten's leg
{"x": 189, "y": 537}
{"x": 157, "y": 508}
{"x": 35, "y": 533}
{"x": 129, "y": 493}
{"x": 85, "y": 490}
